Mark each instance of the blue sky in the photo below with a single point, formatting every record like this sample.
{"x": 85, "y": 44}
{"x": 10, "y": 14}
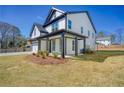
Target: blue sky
{"x": 105, "y": 18}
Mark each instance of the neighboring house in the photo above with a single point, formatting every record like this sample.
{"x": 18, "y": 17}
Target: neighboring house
{"x": 67, "y": 33}
{"x": 106, "y": 40}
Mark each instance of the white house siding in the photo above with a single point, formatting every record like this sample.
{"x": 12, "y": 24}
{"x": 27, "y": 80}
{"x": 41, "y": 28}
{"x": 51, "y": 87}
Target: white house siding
{"x": 35, "y": 34}
{"x": 81, "y": 20}
{"x": 57, "y": 14}
{"x": 61, "y": 25}
{"x": 43, "y": 45}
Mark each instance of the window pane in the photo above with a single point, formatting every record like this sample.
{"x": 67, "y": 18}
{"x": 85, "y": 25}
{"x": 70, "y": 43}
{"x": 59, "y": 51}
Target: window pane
{"x": 69, "y": 24}
{"x": 92, "y": 35}
{"x": 73, "y": 45}
{"x": 55, "y": 26}
{"x": 81, "y": 30}
{"x": 88, "y": 33}
{"x": 52, "y": 27}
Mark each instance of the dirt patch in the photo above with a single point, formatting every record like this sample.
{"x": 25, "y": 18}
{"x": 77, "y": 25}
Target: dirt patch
{"x": 47, "y": 60}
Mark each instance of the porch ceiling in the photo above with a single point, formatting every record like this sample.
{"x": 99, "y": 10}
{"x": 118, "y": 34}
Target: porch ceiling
{"x": 79, "y": 36}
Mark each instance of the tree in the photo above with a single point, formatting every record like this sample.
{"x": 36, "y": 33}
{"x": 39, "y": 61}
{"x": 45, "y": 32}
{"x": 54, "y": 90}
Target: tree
{"x": 15, "y": 34}
{"x": 120, "y": 34}
{"x": 4, "y": 30}
{"x": 9, "y": 35}
{"x": 101, "y": 34}
{"x": 113, "y": 37}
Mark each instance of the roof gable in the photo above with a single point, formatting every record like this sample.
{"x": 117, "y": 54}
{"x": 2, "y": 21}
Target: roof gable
{"x": 54, "y": 12}
{"x": 40, "y": 28}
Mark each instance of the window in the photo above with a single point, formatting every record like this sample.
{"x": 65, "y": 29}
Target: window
{"x": 34, "y": 31}
{"x": 81, "y": 30}
{"x": 69, "y": 24}
{"x": 88, "y": 33}
{"x": 92, "y": 35}
{"x": 53, "y": 45}
{"x": 55, "y": 26}
{"x": 73, "y": 45}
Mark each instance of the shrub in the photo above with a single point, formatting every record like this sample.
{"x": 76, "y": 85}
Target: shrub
{"x": 40, "y": 52}
{"x": 47, "y": 53}
{"x": 89, "y": 51}
{"x": 33, "y": 53}
{"x": 44, "y": 55}
{"x": 55, "y": 55}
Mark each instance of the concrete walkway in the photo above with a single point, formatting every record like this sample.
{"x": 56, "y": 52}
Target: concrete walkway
{"x": 14, "y": 53}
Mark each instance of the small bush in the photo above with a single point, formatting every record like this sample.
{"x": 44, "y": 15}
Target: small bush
{"x": 89, "y": 51}
{"x": 33, "y": 54}
{"x": 47, "y": 53}
{"x": 40, "y": 52}
{"x": 44, "y": 55}
{"x": 55, "y": 55}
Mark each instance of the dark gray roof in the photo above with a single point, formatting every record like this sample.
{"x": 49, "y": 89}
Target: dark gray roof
{"x": 40, "y": 28}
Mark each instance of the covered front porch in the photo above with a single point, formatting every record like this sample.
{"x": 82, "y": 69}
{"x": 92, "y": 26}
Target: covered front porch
{"x": 63, "y": 42}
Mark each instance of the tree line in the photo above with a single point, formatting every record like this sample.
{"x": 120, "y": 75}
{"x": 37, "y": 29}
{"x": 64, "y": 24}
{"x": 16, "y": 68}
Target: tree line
{"x": 10, "y": 36}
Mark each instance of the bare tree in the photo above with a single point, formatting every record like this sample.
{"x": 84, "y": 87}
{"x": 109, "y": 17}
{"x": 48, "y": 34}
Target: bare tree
{"x": 113, "y": 37}
{"x": 120, "y": 33}
{"x": 4, "y": 30}
{"x": 8, "y": 34}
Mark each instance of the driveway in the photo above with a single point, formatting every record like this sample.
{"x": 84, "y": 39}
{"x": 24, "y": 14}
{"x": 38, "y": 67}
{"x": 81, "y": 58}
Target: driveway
{"x": 14, "y": 53}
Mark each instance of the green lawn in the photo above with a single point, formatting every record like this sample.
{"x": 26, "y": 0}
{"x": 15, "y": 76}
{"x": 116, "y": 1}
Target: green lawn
{"x": 18, "y": 71}
{"x": 99, "y": 56}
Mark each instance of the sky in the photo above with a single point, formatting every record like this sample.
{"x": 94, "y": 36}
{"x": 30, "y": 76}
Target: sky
{"x": 105, "y": 18}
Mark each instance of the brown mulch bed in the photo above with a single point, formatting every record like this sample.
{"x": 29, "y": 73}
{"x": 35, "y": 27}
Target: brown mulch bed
{"x": 47, "y": 60}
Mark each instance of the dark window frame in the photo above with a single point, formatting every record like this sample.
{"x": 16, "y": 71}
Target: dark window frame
{"x": 69, "y": 24}
{"x": 73, "y": 45}
{"x": 88, "y": 33}
{"x": 55, "y": 26}
{"x": 82, "y": 30}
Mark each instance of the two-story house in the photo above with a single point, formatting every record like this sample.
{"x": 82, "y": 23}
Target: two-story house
{"x": 67, "y": 33}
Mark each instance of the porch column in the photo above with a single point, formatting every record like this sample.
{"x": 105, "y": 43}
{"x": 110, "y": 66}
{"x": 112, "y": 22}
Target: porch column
{"x": 63, "y": 45}
{"x": 39, "y": 44}
{"x": 84, "y": 45}
{"x": 76, "y": 46}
